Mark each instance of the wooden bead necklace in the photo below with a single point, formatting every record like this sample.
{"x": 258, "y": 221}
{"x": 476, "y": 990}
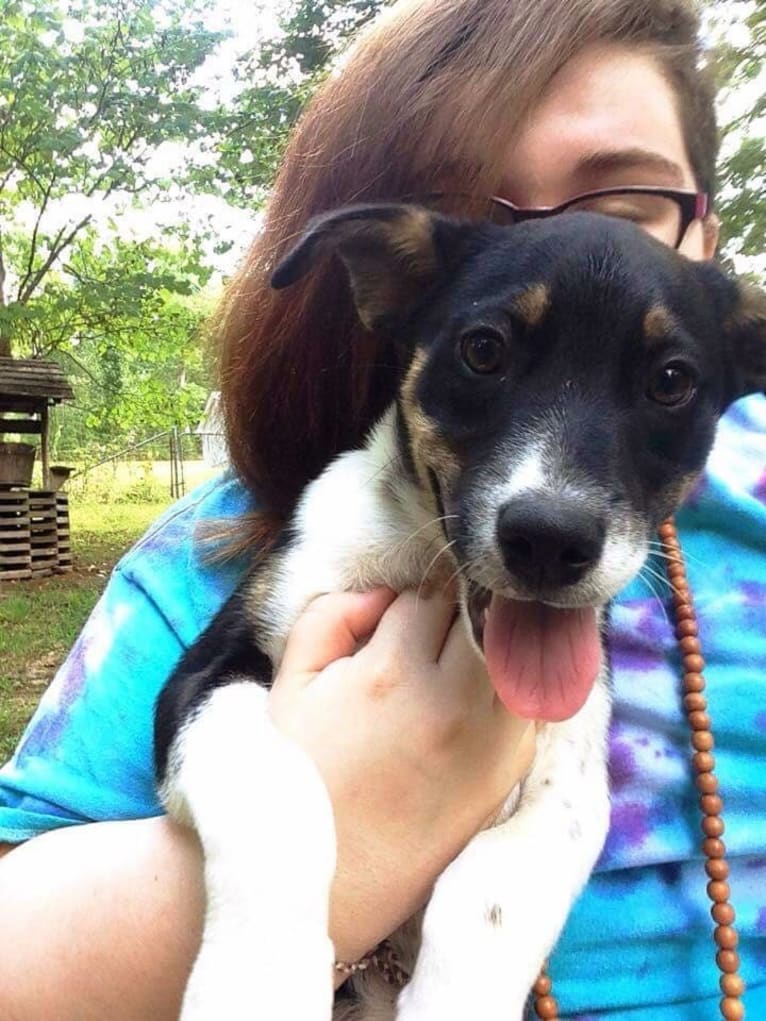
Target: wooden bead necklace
{"x": 732, "y": 986}
{"x": 711, "y": 804}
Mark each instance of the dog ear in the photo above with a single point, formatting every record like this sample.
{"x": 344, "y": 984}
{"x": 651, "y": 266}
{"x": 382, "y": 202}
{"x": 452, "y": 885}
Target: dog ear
{"x": 391, "y": 251}
{"x": 741, "y": 312}
{"x": 746, "y": 328}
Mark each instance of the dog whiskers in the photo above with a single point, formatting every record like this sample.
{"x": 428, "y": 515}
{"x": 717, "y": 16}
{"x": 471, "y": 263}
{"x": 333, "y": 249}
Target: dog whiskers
{"x": 424, "y": 579}
{"x": 401, "y": 546}
{"x": 646, "y": 574}
{"x": 657, "y": 550}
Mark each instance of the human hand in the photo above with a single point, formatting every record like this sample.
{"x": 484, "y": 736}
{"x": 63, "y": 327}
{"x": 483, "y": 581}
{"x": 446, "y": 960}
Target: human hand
{"x": 388, "y": 697}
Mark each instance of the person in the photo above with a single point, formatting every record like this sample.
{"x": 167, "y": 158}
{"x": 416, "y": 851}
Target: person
{"x": 536, "y": 103}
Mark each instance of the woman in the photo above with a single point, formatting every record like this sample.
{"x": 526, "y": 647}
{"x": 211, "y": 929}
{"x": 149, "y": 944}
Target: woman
{"x": 536, "y": 103}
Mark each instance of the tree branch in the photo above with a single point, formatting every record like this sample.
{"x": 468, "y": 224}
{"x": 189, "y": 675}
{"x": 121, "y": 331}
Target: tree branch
{"x": 56, "y": 250}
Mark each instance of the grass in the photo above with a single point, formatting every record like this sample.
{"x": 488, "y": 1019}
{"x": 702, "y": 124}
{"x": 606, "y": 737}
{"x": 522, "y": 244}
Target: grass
{"x": 39, "y": 620}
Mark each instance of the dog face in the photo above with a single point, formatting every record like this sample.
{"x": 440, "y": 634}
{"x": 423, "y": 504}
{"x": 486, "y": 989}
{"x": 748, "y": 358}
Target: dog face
{"x": 561, "y": 386}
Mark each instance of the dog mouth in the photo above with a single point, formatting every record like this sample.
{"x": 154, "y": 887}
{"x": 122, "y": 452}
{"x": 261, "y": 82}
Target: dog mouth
{"x": 542, "y": 660}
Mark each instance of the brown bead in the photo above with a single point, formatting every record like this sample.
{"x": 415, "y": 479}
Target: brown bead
{"x": 713, "y": 847}
{"x": 694, "y": 663}
{"x": 712, "y": 826}
{"x": 543, "y": 986}
{"x": 699, "y": 720}
{"x": 687, "y": 626}
{"x": 727, "y": 960}
{"x": 702, "y": 740}
{"x": 711, "y": 804}
{"x": 695, "y": 702}
{"x": 667, "y": 530}
{"x": 717, "y": 868}
{"x": 732, "y": 1009}
{"x": 718, "y": 890}
{"x": 690, "y": 646}
{"x": 704, "y": 762}
{"x": 684, "y": 612}
{"x": 723, "y": 913}
{"x": 725, "y": 937}
{"x": 732, "y": 985}
{"x": 707, "y": 783}
{"x": 694, "y": 682}
{"x": 546, "y": 1007}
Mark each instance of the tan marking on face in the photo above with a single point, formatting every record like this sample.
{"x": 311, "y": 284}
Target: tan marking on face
{"x": 427, "y": 445}
{"x": 533, "y": 304}
{"x": 411, "y": 239}
{"x": 389, "y": 269}
{"x": 658, "y": 323}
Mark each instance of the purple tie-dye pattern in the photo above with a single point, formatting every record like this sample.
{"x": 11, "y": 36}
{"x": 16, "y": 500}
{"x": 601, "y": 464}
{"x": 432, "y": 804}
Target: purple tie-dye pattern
{"x": 760, "y": 489}
{"x": 622, "y": 761}
{"x": 630, "y": 826}
{"x": 760, "y": 924}
{"x": 50, "y": 723}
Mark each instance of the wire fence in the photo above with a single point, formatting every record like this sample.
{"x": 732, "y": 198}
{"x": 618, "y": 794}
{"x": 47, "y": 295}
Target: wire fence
{"x": 163, "y": 464}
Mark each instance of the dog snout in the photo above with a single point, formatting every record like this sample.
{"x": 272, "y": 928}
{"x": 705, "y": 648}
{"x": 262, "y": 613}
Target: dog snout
{"x": 548, "y": 546}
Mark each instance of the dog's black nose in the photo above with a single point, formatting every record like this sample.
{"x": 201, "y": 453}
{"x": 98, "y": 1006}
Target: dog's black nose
{"x": 548, "y": 545}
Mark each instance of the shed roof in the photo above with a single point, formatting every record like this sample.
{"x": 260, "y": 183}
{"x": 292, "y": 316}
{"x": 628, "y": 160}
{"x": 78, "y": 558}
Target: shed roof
{"x": 34, "y": 379}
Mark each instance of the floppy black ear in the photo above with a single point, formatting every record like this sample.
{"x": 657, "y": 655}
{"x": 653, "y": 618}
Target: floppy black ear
{"x": 746, "y": 329}
{"x": 740, "y": 309}
{"x": 391, "y": 252}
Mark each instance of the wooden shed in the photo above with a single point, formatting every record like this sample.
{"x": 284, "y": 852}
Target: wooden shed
{"x": 34, "y": 523}
{"x": 28, "y": 389}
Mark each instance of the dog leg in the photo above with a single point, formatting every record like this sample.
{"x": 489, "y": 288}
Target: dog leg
{"x": 265, "y": 823}
{"x": 498, "y": 909}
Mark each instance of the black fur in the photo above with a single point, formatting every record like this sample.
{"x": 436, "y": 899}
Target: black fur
{"x": 587, "y": 359}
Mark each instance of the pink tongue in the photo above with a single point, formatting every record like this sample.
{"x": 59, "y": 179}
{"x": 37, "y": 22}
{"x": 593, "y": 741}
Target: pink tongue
{"x": 541, "y": 660}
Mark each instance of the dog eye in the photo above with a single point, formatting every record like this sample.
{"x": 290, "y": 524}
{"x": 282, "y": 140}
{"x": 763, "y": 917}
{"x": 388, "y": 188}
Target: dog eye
{"x": 672, "y": 385}
{"x": 483, "y": 351}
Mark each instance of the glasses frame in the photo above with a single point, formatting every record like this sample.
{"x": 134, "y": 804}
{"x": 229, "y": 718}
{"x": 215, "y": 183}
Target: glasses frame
{"x": 694, "y": 205}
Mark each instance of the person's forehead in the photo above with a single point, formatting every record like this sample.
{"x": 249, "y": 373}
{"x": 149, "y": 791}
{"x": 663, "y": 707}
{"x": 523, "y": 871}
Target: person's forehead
{"x": 609, "y": 116}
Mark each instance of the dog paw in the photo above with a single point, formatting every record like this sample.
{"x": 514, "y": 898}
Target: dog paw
{"x": 242, "y": 985}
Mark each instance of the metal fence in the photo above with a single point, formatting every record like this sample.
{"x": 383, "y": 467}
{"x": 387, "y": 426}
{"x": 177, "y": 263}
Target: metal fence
{"x": 176, "y": 446}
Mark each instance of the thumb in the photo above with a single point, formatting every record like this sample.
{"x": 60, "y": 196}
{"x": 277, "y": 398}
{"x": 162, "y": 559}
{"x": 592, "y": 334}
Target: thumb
{"x": 332, "y": 627}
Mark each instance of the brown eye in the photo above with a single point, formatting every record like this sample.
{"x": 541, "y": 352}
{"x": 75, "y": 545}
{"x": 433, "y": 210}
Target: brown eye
{"x": 483, "y": 351}
{"x": 672, "y": 385}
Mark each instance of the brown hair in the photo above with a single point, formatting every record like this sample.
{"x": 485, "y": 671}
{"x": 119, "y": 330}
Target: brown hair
{"x": 432, "y": 92}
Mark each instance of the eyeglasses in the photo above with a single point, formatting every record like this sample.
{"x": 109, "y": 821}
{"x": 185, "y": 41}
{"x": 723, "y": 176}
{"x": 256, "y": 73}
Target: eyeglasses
{"x": 665, "y": 213}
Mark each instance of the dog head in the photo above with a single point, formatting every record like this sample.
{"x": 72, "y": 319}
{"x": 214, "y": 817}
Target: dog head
{"x": 563, "y": 379}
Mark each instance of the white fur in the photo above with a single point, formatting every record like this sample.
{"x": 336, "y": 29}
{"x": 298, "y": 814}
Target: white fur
{"x": 266, "y": 826}
{"x": 252, "y": 796}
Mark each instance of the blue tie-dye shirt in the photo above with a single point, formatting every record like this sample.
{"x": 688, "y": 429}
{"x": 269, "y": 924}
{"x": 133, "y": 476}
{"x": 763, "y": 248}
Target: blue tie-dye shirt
{"x": 638, "y": 944}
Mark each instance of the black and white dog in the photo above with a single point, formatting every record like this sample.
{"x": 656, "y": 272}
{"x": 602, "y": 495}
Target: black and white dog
{"x": 559, "y": 390}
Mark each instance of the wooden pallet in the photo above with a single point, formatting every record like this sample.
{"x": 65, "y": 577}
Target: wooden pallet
{"x": 42, "y": 532}
{"x": 15, "y": 546}
{"x": 62, "y": 533}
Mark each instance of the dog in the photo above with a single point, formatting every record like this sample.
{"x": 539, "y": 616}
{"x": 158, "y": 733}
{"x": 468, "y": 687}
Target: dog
{"x": 559, "y": 386}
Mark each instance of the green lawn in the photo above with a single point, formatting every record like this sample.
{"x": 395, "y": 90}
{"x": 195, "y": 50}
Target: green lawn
{"x": 39, "y": 620}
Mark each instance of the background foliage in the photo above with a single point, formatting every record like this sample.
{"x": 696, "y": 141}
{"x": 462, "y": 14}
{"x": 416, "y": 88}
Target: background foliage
{"x": 115, "y": 124}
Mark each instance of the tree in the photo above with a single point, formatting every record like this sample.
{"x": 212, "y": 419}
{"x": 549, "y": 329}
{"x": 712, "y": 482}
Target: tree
{"x": 276, "y": 80}
{"x": 89, "y": 93}
{"x": 739, "y": 68}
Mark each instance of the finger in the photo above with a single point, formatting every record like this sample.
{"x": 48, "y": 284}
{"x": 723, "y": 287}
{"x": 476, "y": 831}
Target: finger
{"x": 462, "y": 666}
{"x": 416, "y": 624}
{"x": 331, "y": 628}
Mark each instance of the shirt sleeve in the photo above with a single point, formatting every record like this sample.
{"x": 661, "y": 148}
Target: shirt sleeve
{"x": 87, "y": 753}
